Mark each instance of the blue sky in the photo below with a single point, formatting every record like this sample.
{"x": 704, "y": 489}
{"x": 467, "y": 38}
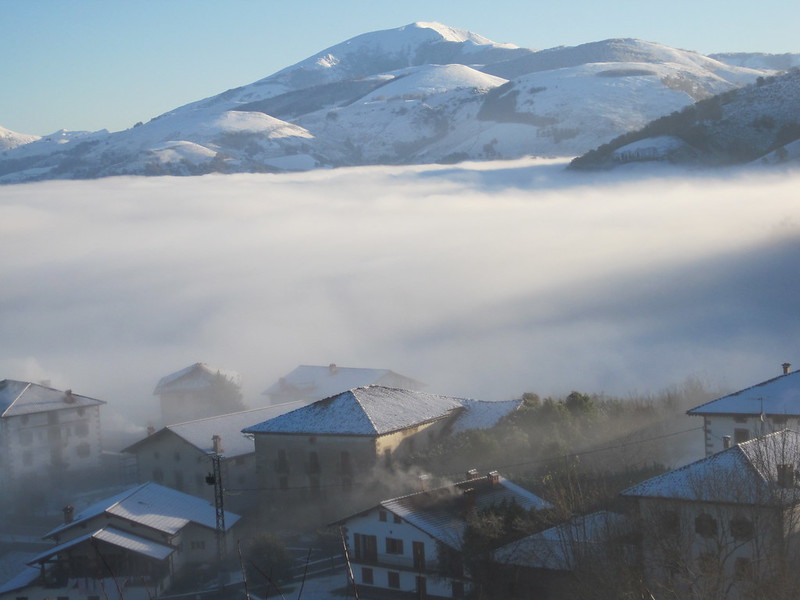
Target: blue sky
{"x": 93, "y": 64}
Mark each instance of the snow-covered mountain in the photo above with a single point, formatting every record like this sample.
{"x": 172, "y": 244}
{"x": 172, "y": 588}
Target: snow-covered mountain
{"x": 758, "y": 122}
{"x": 416, "y": 94}
{"x": 11, "y": 139}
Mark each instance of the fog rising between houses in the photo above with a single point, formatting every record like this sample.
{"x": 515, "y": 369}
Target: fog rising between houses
{"x": 483, "y": 280}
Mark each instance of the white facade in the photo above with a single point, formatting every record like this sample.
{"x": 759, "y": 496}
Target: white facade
{"x": 389, "y": 553}
{"x": 46, "y": 433}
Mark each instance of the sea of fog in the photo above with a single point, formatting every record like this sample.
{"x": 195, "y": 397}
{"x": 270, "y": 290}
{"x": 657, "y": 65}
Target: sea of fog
{"x": 482, "y": 280}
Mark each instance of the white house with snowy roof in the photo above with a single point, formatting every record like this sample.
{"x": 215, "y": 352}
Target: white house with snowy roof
{"x": 333, "y": 446}
{"x": 728, "y": 522}
{"x": 133, "y": 545}
{"x": 46, "y": 432}
{"x": 413, "y": 544}
{"x": 178, "y": 456}
{"x": 310, "y": 383}
{"x": 760, "y": 409}
{"x": 198, "y": 391}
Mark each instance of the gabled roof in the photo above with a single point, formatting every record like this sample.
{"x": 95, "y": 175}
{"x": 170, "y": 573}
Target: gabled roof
{"x": 115, "y": 537}
{"x": 198, "y": 376}
{"x": 24, "y": 398}
{"x": 312, "y": 382}
{"x": 442, "y": 513}
{"x": 371, "y": 410}
{"x": 743, "y": 474}
{"x": 154, "y": 506}
{"x": 556, "y": 548}
{"x": 199, "y": 432}
{"x": 777, "y": 396}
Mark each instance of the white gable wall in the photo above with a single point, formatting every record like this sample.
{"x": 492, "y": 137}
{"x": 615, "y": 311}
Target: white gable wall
{"x": 400, "y": 564}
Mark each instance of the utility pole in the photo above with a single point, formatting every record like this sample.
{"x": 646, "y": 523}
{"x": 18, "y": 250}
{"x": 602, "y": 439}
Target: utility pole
{"x": 215, "y": 478}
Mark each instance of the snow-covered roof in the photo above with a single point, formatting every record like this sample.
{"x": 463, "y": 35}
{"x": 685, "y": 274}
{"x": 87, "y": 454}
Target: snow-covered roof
{"x": 115, "y": 537}
{"x": 442, "y": 513}
{"x": 23, "y": 398}
{"x": 371, "y": 410}
{"x": 313, "y": 382}
{"x": 22, "y": 579}
{"x": 777, "y": 396}
{"x": 555, "y": 548}
{"x": 482, "y": 414}
{"x": 229, "y": 427}
{"x": 198, "y": 376}
{"x": 154, "y": 506}
{"x": 747, "y": 473}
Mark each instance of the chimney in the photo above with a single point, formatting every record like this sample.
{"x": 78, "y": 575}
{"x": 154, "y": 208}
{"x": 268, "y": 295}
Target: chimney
{"x": 216, "y": 444}
{"x": 150, "y": 430}
{"x": 68, "y": 397}
{"x": 332, "y": 368}
{"x": 787, "y": 367}
{"x": 726, "y": 441}
{"x": 69, "y": 513}
{"x": 493, "y": 477}
{"x": 472, "y": 474}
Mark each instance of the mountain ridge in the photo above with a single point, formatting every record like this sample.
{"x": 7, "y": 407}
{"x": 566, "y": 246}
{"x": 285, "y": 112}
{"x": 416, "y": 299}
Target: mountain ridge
{"x": 424, "y": 92}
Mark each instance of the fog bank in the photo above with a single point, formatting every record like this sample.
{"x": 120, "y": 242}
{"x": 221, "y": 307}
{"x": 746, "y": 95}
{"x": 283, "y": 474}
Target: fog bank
{"x": 481, "y": 280}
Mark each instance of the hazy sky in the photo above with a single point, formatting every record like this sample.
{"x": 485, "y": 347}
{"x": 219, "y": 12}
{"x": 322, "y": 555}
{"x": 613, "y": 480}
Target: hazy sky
{"x": 482, "y": 280}
{"x": 94, "y": 64}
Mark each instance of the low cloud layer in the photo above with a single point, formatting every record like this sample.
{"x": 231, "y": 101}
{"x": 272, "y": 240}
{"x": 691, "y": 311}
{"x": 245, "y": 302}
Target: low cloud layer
{"x": 482, "y": 280}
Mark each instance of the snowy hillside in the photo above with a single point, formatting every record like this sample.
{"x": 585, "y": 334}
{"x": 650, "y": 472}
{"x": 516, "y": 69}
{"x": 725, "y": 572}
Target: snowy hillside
{"x": 11, "y": 139}
{"x": 416, "y": 94}
{"x": 755, "y": 123}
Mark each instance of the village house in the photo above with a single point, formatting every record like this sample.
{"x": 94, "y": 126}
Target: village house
{"x": 725, "y": 526}
{"x": 179, "y": 455}
{"x": 752, "y": 412}
{"x": 310, "y": 383}
{"x": 133, "y": 545}
{"x": 46, "y": 435}
{"x": 338, "y": 446}
{"x": 568, "y": 560}
{"x": 198, "y": 391}
{"x": 412, "y": 545}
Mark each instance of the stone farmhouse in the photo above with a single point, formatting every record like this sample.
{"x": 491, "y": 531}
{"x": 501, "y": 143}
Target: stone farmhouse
{"x": 310, "y": 383}
{"x": 198, "y": 391}
{"x": 337, "y": 447}
{"x": 749, "y": 413}
{"x": 723, "y": 526}
{"x": 131, "y": 546}
{"x": 178, "y": 456}
{"x": 413, "y": 544}
{"x": 46, "y": 434}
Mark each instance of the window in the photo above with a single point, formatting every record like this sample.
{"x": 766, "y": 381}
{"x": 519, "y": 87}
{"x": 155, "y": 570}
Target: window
{"x": 785, "y": 475}
{"x": 740, "y": 419}
{"x": 366, "y": 547}
{"x": 367, "y": 576}
{"x": 394, "y": 546}
{"x": 669, "y": 522}
{"x": 177, "y": 457}
{"x": 396, "y": 519}
{"x": 382, "y": 516}
{"x": 741, "y": 528}
{"x": 83, "y": 450}
{"x": 458, "y": 589}
{"x": 81, "y": 411}
{"x": 740, "y": 436}
{"x": 422, "y": 587}
{"x": 779, "y": 420}
{"x": 282, "y": 465}
{"x": 313, "y": 462}
{"x": 705, "y": 525}
{"x": 82, "y": 429}
{"x": 158, "y": 475}
{"x": 198, "y": 545}
{"x": 393, "y": 579}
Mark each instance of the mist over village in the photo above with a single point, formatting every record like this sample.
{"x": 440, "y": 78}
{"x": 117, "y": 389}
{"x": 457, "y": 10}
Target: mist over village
{"x": 421, "y": 316}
